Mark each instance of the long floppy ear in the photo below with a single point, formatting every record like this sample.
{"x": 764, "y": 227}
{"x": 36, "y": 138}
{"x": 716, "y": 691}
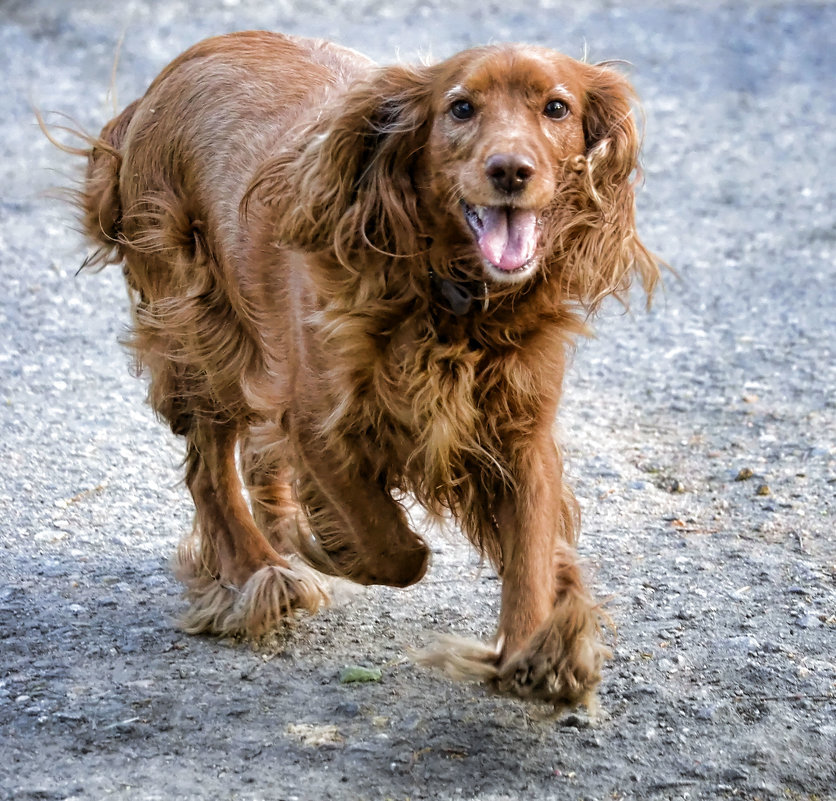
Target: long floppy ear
{"x": 347, "y": 182}
{"x": 600, "y": 244}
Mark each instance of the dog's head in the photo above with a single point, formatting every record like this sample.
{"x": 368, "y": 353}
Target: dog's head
{"x": 504, "y": 123}
{"x": 510, "y": 161}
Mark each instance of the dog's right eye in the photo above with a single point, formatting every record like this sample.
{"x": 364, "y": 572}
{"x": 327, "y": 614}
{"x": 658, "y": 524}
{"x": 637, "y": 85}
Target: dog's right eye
{"x": 462, "y": 110}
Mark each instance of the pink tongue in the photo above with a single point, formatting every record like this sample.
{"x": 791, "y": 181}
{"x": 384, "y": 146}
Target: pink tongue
{"x": 509, "y": 236}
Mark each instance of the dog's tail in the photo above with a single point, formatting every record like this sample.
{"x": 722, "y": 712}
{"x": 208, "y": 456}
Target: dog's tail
{"x": 98, "y": 197}
{"x": 101, "y": 206}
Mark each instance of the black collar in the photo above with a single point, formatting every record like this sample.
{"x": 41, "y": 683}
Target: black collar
{"x": 458, "y": 296}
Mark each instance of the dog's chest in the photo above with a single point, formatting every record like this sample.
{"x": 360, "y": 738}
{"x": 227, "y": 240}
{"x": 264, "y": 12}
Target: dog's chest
{"x": 444, "y": 406}
{"x": 425, "y": 408}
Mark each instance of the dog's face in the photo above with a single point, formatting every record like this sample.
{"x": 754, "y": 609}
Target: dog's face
{"x": 504, "y": 123}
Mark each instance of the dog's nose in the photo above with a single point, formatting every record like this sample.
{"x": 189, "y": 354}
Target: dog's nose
{"x": 509, "y": 172}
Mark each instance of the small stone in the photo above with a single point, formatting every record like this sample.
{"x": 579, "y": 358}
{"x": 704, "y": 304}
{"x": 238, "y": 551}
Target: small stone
{"x": 411, "y": 722}
{"x": 574, "y": 721}
{"x": 50, "y": 535}
{"x": 743, "y": 644}
{"x": 763, "y": 489}
{"x": 807, "y": 622}
{"x": 735, "y": 774}
{"x": 744, "y": 474}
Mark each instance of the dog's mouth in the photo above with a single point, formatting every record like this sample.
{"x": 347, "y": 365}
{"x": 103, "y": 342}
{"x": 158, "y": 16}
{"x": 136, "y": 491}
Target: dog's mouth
{"x": 507, "y": 238}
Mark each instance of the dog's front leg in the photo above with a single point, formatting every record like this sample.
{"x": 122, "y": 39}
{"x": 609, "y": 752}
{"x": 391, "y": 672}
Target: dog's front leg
{"x": 359, "y": 531}
{"x": 549, "y": 626}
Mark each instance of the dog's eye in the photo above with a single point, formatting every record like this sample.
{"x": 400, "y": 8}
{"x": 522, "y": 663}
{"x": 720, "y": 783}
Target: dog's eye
{"x": 556, "y": 109}
{"x": 462, "y": 110}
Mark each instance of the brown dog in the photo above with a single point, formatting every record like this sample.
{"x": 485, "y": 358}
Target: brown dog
{"x": 363, "y": 281}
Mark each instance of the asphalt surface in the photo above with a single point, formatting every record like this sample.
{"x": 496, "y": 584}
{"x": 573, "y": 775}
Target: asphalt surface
{"x": 700, "y": 437}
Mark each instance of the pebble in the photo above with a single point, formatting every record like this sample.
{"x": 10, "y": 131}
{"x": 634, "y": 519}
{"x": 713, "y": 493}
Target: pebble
{"x": 412, "y": 721}
{"x": 808, "y": 621}
{"x": 50, "y": 535}
{"x": 743, "y": 644}
{"x": 734, "y": 774}
{"x": 574, "y": 721}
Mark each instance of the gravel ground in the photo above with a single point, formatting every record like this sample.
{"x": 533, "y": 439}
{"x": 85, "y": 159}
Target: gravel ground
{"x": 701, "y": 438}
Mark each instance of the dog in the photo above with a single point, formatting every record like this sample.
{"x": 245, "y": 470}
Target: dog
{"x": 352, "y": 285}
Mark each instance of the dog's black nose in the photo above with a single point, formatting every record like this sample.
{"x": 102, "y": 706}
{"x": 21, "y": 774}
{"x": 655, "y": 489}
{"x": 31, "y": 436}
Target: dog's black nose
{"x": 509, "y": 172}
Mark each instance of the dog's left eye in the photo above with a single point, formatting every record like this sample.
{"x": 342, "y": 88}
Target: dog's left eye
{"x": 556, "y": 109}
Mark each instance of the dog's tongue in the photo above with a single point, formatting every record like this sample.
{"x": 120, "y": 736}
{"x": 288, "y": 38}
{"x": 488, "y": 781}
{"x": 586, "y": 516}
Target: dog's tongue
{"x": 509, "y": 236}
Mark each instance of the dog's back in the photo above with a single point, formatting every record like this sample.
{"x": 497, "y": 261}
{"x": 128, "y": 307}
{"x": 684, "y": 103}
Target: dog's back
{"x": 164, "y": 185}
{"x": 179, "y": 159}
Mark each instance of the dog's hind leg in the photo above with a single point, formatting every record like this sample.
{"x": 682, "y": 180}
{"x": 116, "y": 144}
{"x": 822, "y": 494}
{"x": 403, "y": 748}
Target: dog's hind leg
{"x": 236, "y": 581}
{"x": 268, "y": 475}
{"x": 191, "y": 343}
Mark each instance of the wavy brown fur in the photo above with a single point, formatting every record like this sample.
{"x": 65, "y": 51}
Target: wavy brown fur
{"x": 284, "y": 210}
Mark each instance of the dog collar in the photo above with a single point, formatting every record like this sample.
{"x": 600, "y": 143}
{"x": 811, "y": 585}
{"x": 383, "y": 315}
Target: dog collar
{"x": 459, "y": 296}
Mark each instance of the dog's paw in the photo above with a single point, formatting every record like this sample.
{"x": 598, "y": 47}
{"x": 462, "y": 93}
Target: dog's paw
{"x": 267, "y": 601}
{"x": 561, "y": 663}
{"x": 398, "y": 567}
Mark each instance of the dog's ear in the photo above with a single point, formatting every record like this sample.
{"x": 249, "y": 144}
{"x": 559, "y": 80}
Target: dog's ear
{"x": 347, "y": 182}
{"x": 600, "y": 247}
